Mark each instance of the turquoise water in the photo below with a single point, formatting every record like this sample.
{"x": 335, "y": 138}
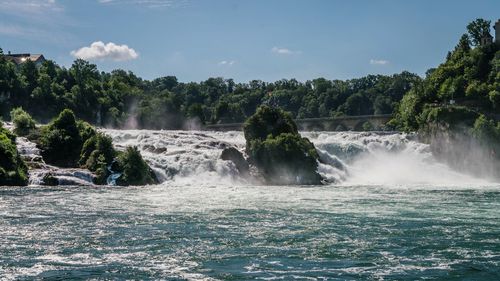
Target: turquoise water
{"x": 243, "y": 233}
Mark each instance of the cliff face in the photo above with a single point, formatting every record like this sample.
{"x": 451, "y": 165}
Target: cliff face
{"x": 458, "y": 148}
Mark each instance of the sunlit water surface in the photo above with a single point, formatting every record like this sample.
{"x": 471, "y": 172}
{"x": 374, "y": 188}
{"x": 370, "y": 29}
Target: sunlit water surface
{"x": 221, "y": 232}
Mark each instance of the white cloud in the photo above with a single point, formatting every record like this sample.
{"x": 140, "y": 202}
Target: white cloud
{"x": 284, "y": 51}
{"x": 35, "y": 34}
{"x": 28, "y": 6}
{"x": 100, "y": 51}
{"x": 225, "y": 62}
{"x": 379, "y": 62}
{"x": 147, "y": 3}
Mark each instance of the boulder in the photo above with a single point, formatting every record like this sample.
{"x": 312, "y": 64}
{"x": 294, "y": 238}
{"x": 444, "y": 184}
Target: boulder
{"x": 234, "y": 155}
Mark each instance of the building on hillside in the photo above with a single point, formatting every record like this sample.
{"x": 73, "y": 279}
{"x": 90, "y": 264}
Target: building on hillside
{"x": 18, "y": 59}
{"x": 486, "y": 39}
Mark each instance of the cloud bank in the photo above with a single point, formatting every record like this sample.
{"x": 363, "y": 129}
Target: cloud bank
{"x": 110, "y": 51}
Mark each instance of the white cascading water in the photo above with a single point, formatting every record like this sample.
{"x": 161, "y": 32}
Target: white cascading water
{"x": 39, "y": 169}
{"x": 352, "y": 158}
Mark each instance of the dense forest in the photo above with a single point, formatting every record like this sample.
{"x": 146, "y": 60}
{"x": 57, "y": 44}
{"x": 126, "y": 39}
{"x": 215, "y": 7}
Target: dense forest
{"x": 120, "y": 99}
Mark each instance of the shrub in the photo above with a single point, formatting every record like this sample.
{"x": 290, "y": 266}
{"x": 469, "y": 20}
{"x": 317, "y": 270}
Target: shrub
{"x": 97, "y": 154}
{"x": 13, "y": 170}
{"x": 135, "y": 171}
{"x": 23, "y": 122}
{"x": 367, "y": 126}
{"x": 486, "y": 131}
{"x": 95, "y": 147}
{"x": 62, "y": 140}
{"x": 268, "y": 121}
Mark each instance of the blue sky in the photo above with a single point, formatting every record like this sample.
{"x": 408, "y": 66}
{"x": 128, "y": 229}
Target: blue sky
{"x": 243, "y": 40}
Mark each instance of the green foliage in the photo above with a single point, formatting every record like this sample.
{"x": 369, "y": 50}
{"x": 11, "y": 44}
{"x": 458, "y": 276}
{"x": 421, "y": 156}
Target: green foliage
{"x": 7, "y": 133}
{"x": 468, "y": 77}
{"x": 452, "y": 116}
{"x": 13, "y": 170}
{"x": 268, "y": 122}
{"x": 121, "y": 99}
{"x": 285, "y": 159}
{"x": 494, "y": 97}
{"x": 62, "y": 140}
{"x": 23, "y": 122}
{"x": 67, "y": 142}
{"x": 97, "y": 150}
{"x": 367, "y": 126}
{"x": 101, "y": 170}
{"x": 486, "y": 130}
{"x": 454, "y": 107}
{"x": 276, "y": 148}
{"x": 478, "y": 29}
{"x": 135, "y": 171}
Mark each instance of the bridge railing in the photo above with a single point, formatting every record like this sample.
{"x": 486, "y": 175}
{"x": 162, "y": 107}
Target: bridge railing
{"x": 239, "y": 126}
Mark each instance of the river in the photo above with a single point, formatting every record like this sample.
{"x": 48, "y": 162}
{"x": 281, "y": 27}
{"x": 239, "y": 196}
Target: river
{"x": 391, "y": 212}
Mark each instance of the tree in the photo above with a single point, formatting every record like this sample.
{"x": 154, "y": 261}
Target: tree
{"x": 13, "y": 170}
{"x": 23, "y": 122}
{"x": 268, "y": 121}
{"x": 478, "y": 29}
{"x": 62, "y": 140}
{"x": 463, "y": 44}
{"x": 135, "y": 171}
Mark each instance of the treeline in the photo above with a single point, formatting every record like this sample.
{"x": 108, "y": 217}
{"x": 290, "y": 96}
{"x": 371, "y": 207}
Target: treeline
{"x": 121, "y": 99}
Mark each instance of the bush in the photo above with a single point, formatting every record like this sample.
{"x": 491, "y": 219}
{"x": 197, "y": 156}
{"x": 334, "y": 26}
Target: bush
{"x": 23, "y": 122}
{"x": 97, "y": 154}
{"x": 486, "y": 131}
{"x": 13, "y": 170}
{"x": 95, "y": 147}
{"x": 367, "y": 126}
{"x": 268, "y": 121}
{"x": 278, "y": 151}
{"x": 451, "y": 116}
{"x": 62, "y": 140}
{"x": 135, "y": 171}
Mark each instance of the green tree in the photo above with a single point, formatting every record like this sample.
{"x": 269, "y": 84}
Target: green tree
{"x": 268, "y": 121}
{"x": 478, "y": 29}
{"x": 13, "y": 170}
{"x": 135, "y": 171}
{"x": 23, "y": 122}
{"x": 62, "y": 140}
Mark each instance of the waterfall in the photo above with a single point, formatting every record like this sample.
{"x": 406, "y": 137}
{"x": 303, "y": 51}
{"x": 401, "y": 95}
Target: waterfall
{"x": 39, "y": 170}
{"x": 366, "y": 158}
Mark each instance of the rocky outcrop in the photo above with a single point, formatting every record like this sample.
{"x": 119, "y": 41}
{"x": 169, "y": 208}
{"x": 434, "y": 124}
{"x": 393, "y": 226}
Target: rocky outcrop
{"x": 278, "y": 151}
{"x": 234, "y": 155}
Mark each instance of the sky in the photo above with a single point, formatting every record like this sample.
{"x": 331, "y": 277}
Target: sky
{"x": 243, "y": 40}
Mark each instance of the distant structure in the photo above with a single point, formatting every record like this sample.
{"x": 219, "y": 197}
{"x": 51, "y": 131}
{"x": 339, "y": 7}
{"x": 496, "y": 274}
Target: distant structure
{"x": 18, "y": 59}
{"x": 486, "y": 39}
{"x": 497, "y": 31}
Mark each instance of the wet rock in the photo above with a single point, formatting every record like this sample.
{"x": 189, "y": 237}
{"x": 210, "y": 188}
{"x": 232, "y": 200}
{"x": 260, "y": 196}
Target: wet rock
{"x": 160, "y": 150}
{"x": 50, "y": 180}
{"x": 235, "y": 156}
